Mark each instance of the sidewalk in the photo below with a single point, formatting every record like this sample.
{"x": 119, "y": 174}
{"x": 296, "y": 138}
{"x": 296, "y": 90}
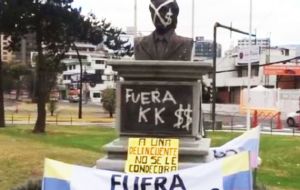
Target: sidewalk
{"x": 83, "y": 123}
{"x": 264, "y": 130}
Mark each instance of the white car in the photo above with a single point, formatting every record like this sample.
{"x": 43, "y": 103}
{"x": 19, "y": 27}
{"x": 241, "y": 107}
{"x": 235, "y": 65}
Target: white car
{"x": 293, "y": 119}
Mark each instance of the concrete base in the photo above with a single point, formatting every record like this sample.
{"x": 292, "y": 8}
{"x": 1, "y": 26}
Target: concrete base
{"x": 191, "y": 153}
{"x": 193, "y": 150}
{"x": 136, "y": 70}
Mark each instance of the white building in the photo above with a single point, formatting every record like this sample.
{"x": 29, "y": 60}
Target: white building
{"x": 278, "y": 67}
{"x": 97, "y": 75}
{"x": 264, "y": 43}
{"x": 232, "y": 74}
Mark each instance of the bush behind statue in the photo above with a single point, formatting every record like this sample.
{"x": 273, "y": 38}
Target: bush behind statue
{"x": 109, "y": 100}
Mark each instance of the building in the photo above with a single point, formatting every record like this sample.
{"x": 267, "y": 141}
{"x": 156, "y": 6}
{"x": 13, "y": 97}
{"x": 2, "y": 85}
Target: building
{"x": 263, "y": 43}
{"x": 23, "y": 55}
{"x": 232, "y": 69}
{"x": 97, "y": 75}
{"x": 204, "y": 49}
{"x": 286, "y": 71}
{"x": 28, "y": 45}
{"x": 277, "y": 67}
{"x": 5, "y": 54}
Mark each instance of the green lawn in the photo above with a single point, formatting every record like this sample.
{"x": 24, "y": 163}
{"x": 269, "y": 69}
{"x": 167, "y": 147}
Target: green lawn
{"x": 22, "y": 153}
{"x": 280, "y": 160}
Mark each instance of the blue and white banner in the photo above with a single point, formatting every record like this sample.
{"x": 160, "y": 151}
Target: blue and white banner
{"x": 229, "y": 173}
{"x": 248, "y": 141}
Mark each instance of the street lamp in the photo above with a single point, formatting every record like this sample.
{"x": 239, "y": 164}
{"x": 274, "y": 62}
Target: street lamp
{"x": 135, "y": 18}
{"x": 249, "y": 68}
{"x": 217, "y": 25}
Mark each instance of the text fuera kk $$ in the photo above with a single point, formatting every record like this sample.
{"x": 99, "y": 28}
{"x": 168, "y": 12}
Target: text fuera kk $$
{"x": 153, "y": 105}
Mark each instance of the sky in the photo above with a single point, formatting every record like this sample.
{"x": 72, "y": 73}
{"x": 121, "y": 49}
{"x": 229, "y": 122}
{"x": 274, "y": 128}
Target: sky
{"x": 277, "y": 19}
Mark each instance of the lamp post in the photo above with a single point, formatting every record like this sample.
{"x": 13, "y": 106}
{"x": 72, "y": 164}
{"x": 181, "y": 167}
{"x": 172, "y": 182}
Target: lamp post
{"x": 217, "y": 25}
{"x": 135, "y": 18}
{"x": 193, "y": 19}
{"x": 249, "y": 68}
{"x": 80, "y": 82}
{"x": 193, "y": 29}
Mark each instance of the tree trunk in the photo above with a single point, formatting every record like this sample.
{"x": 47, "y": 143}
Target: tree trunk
{"x": 40, "y": 124}
{"x": 2, "y": 117}
{"x": 42, "y": 96}
{"x": 18, "y": 89}
{"x": 41, "y": 85}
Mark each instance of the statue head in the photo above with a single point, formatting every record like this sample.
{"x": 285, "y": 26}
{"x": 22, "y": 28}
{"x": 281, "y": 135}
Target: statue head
{"x": 164, "y": 14}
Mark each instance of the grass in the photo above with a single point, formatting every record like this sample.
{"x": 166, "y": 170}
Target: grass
{"x": 22, "y": 153}
{"x": 65, "y": 113}
{"x": 280, "y": 155}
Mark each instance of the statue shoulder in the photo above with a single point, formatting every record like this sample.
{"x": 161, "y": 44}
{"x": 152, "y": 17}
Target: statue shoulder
{"x": 142, "y": 40}
{"x": 185, "y": 40}
{"x": 137, "y": 40}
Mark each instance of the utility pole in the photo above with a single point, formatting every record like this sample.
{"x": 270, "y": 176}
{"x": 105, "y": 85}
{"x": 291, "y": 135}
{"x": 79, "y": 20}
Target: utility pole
{"x": 193, "y": 29}
{"x": 214, "y": 90}
{"x": 135, "y": 18}
{"x": 80, "y": 82}
{"x": 249, "y": 69}
{"x": 193, "y": 19}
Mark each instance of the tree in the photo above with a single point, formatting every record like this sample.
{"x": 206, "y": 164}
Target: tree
{"x": 5, "y": 26}
{"x": 57, "y": 26}
{"x": 54, "y": 24}
{"x": 52, "y": 106}
{"x": 115, "y": 42}
{"x": 109, "y": 100}
{"x": 16, "y": 72}
{"x": 2, "y": 118}
{"x": 12, "y": 19}
{"x": 95, "y": 35}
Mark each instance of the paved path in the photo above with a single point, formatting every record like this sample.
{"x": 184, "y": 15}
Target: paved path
{"x": 100, "y": 124}
{"x": 265, "y": 130}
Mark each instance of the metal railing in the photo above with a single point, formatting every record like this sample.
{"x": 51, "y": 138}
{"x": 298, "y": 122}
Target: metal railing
{"x": 57, "y": 119}
{"x": 237, "y": 122}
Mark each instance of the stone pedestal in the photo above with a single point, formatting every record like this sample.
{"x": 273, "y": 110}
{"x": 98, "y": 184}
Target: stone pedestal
{"x": 174, "y": 88}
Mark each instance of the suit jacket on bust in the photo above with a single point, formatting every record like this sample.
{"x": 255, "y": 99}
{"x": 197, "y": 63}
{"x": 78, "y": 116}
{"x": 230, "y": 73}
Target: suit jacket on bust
{"x": 177, "y": 48}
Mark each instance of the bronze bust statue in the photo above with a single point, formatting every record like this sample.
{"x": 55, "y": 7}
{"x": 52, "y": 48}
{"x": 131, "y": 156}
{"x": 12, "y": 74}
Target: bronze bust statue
{"x": 163, "y": 43}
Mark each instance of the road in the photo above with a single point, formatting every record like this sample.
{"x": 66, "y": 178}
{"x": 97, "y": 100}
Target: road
{"x": 93, "y": 114}
{"x": 238, "y": 123}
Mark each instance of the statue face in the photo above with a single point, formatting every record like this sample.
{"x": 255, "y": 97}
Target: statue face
{"x": 164, "y": 14}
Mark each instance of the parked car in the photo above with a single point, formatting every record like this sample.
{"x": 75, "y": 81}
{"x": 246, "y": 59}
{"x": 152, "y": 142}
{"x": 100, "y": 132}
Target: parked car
{"x": 54, "y": 95}
{"x": 73, "y": 98}
{"x": 293, "y": 119}
{"x": 73, "y": 95}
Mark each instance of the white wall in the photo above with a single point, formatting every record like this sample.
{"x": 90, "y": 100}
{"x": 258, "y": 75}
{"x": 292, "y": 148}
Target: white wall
{"x": 289, "y": 101}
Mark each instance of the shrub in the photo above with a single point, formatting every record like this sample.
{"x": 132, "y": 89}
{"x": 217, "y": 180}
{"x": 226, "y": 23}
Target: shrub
{"x": 31, "y": 184}
{"x": 52, "y": 107}
{"x": 109, "y": 100}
